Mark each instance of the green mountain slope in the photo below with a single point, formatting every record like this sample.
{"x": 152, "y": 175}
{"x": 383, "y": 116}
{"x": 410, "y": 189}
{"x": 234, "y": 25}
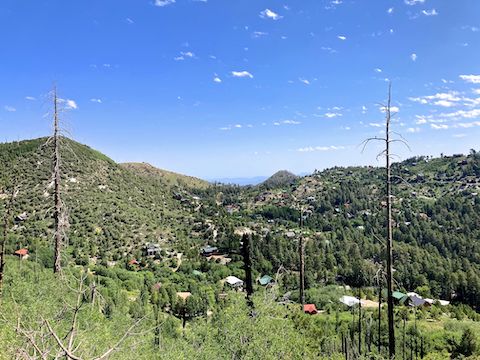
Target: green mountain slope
{"x": 112, "y": 210}
{"x": 169, "y": 177}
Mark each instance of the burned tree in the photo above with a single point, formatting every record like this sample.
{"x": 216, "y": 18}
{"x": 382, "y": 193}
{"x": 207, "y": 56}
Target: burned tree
{"x": 301, "y": 253}
{"x": 3, "y": 242}
{"x": 56, "y": 178}
{"x": 388, "y": 140}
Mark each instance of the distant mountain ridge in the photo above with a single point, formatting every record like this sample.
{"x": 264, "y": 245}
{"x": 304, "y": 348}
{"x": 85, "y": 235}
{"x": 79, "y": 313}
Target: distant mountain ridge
{"x": 279, "y": 179}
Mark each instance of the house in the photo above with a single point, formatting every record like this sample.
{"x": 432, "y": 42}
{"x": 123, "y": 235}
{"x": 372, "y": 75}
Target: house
{"x": 234, "y": 282}
{"x": 349, "y": 300}
{"x": 133, "y": 262}
{"x": 310, "y": 309}
{"x": 399, "y": 297}
{"x": 152, "y": 249}
{"x": 209, "y": 250}
{"x": 21, "y": 217}
{"x": 266, "y": 280}
{"x": 22, "y": 253}
{"x": 184, "y": 295}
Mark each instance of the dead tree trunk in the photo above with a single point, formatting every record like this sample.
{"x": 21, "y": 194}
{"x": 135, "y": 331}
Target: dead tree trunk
{"x": 391, "y": 323}
{"x": 56, "y": 178}
{"x": 301, "y": 251}
{"x": 3, "y": 243}
{"x": 359, "y": 322}
{"x": 379, "y": 317}
{"x": 247, "y": 262}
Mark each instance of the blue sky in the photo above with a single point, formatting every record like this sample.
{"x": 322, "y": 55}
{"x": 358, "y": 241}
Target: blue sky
{"x": 222, "y": 88}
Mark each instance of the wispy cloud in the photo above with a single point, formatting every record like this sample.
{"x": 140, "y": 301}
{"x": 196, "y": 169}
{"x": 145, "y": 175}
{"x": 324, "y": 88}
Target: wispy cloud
{"x": 413, "y": 57}
{"x": 162, "y": 3}
{"x": 217, "y": 79}
{"x": 474, "y": 79}
{"x": 390, "y": 10}
{"x": 69, "y": 104}
{"x": 342, "y": 37}
{"x": 414, "y": 2}
{"x": 258, "y": 34}
{"x": 242, "y": 74}
{"x": 413, "y": 130}
{"x": 269, "y": 14}
{"x": 184, "y": 55}
{"x": 98, "y": 101}
{"x": 9, "y": 108}
{"x": 305, "y": 81}
{"x": 439, "y": 126}
{"x": 321, "y": 148}
{"x": 332, "y": 115}
{"x": 31, "y": 98}
{"x": 432, "y": 12}
{"x": 130, "y": 21}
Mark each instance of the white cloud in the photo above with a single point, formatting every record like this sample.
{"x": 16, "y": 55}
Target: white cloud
{"x": 432, "y": 12}
{"x": 414, "y": 2}
{"x": 390, "y": 10}
{"x": 413, "y": 130}
{"x": 269, "y": 14}
{"x": 184, "y": 55}
{"x": 459, "y": 136}
{"x": 439, "y": 127}
{"x": 474, "y": 79}
{"x": 237, "y": 126}
{"x": 162, "y": 3}
{"x": 257, "y": 34}
{"x": 376, "y": 125}
{"x": 305, "y": 81}
{"x": 413, "y": 57}
{"x": 242, "y": 74}
{"x": 444, "y": 103}
{"x": 71, "y": 104}
{"x": 9, "y": 108}
{"x": 291, "y": 122}
{"x": 342, "y": 37}
{"x": 98, "y": 101}
{"x": 130, "y": 21}
{"x": 378, "y": 70}
{"x": 320, "y": 148}
{"x": 31, "y": 98}
{"x": 393, "y": 109}
{"x": 332, "y": 115}
{"x": 217, "y": 79}
{"x": 476, "y": 91}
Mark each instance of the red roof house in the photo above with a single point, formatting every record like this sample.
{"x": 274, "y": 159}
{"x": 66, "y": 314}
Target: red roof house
{"x": 22, "y": 252}
{"x": 133, "y": 262}
{"x": 310, "y": 309}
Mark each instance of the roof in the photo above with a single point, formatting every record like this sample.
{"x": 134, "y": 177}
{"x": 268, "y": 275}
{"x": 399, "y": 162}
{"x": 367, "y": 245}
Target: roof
{"x": 265, "y": 280}
{"x": 233, "y": 280}
{"x": 398, "y": 295}
{"x": 444, "y": 302}
{"x": 209, "y": 248}
{"x": 417, "y": 301}
{"x": 310, "y": 308}
{"x": 133, "y": 262}
{"x": 349, "y": 300}
{"x": 22, "y": 252}
{"x": 184, "y": 295}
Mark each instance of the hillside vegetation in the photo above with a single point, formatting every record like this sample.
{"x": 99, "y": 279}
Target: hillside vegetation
{"x": 179, "y": 298}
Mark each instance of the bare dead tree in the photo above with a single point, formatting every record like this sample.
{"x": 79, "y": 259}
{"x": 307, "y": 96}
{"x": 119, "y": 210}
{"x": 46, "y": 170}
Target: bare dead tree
{"x": 388, "y": 140}
{"x": 6, "y": 225}
{"x": 43, "y": 341}
{"x": 301, "y": 251}
{"x": 56, "y": 178}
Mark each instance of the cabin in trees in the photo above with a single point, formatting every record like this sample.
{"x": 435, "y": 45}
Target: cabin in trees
{"x": 266, "y": 280}
{"x": 310, "y": 309}
{"x": 22, "y": 253}
{"x": 152, "y": 249}
{"x": 209, "y": 250}
{"x": 234, "y": 282}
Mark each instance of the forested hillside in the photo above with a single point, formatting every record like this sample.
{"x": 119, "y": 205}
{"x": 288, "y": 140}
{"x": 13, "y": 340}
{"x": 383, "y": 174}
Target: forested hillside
{"x": 137, "y": 254}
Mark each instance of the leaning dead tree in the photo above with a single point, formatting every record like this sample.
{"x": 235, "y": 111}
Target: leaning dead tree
{"x": 388, "y": 140}
{"x": 6, "y": 226}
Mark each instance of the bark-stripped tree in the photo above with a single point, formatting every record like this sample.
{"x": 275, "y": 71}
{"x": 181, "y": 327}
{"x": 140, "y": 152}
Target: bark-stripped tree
{"x": 56, "y": 178}
{"x": 388, "y": 140}
{"x": 3, "y": 241}
{"x": 301, "y": 253}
